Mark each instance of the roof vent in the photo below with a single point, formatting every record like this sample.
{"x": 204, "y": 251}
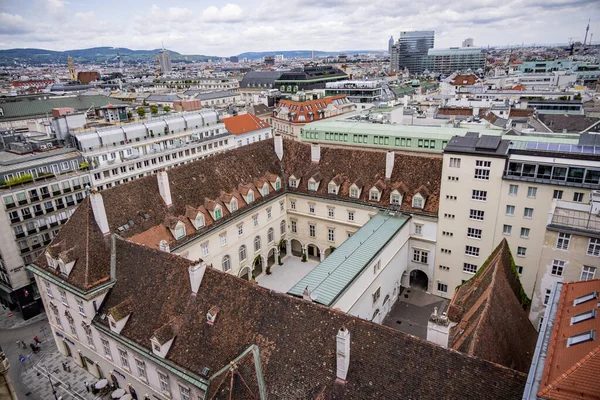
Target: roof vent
{"x": 205, "y": 372}
{"x": 211, "y": 316}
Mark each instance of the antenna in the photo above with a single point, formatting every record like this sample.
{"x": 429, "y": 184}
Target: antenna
{"x": 586, "y": 31}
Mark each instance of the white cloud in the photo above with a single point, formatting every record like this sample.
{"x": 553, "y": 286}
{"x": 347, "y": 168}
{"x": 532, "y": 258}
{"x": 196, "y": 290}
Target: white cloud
{"x": 56, "y": 4}
{"x": 12, "y": 24}
{"x": 228, "y": 13}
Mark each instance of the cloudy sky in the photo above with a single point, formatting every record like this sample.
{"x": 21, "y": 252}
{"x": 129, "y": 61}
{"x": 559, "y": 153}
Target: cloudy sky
{"x": 224, "y": 28}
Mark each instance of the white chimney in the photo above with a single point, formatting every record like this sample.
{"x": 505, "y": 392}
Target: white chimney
{"x": 306, "y": 294}
{"x": 389, "y": 164}
{"x": 342, "y": 353}
{"x": 164, "y": 246}
{"x": 438, "y": 328}
{"x": 315, "y": 153}
{"x": 99, "y": 212}
{"x": 279, "y": 146}
{"x": 196, "y": 275}
{"x": 163, "y": 187}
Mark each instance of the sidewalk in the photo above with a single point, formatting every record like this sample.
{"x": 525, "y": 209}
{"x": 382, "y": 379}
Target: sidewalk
{"x": 16, "y": 321}
{"x": 69, "y": 385}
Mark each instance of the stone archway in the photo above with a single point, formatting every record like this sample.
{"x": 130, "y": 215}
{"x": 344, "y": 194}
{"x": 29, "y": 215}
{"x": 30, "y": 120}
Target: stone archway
{"x": 271, "y": 257}
{"x": 419, "y": 280}
{"x": 313, "y": 252}
{"x": 296, "y": 248}
{"x": 257, "y": 266}
{"x": 245, "y": 273}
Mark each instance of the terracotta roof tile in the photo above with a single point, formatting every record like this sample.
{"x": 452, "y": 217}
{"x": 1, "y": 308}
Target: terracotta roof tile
{"x": 244, "y": 123}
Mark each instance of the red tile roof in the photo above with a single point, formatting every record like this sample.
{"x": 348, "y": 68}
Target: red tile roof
{"x": 87, "y": 76}
{"x": 244, "y": 123}
{"x": 455, "y": 111}
{"x": 521, "y": 113}
{"x": 464, "y": 80}
{"x": 572, "y": 372}
{"x": 303, "y": 110}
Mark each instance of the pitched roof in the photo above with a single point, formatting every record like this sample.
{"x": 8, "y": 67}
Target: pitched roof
{"x": 572, "y": 371}
{"x": 298, "y": 360}
{"x": 306, "y": 111}
{"x": 455, "y": 111}
{"x": 491, "y": 321}
{"x": 572, "y": 123}
{"x": 244, "y": 123}
{"x": 464, "y": 80}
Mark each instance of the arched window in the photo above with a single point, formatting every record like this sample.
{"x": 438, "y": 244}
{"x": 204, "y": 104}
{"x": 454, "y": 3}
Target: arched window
{"x": 270, "y": 235}
{"x": 234, "y": 204}
{"x": 257, "y": 243}
{"x": 282, "y": 227}
{"x": 250, "y": 197}
{"x": 226, "y": 263}
{"x": 375, "y": 314}
{"x": 242, "y": 253}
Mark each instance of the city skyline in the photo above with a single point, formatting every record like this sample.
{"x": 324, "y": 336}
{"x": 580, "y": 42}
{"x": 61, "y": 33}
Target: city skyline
{"x": 220, "y": 28}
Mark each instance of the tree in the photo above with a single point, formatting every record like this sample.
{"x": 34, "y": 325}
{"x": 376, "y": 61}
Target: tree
{"x": 129, "y": 114}
{"x": 166, "y": 109}
{"x": 141, "y": 111}
{"x": 154, "y": 109}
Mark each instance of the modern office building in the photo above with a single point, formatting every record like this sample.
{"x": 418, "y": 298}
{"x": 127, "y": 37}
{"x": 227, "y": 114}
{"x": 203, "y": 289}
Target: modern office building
{"x": 468, "y": 42}
{"x": 164, "y": 61}
{"x": 369, "y": 92}
{"x": 308, "y": 78}
{"x": 42, "y": 183}
{"x": 390, "y": 44}
{"x": 454, "y": 59}
{"x": 410, "y": 50}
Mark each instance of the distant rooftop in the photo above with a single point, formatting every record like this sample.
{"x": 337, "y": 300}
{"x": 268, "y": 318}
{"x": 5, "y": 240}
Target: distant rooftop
{"x": 328, "y": 280}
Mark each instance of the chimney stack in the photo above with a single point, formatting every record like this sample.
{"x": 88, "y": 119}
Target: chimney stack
{"x": 163, "y": 187}
{"x": 306, "y": 294}
{"x": 389, "y": 164}
{"x": 315, "y": 153}
{"x": 196, "y": 275}
{"x": 99, "y": 212}
{"x": 342, "y": 354}
{"x": 164, "y": 246}
{"x": 279, "y": 146}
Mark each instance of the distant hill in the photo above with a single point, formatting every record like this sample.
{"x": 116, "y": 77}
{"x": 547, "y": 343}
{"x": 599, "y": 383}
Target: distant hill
{"x": 302, "y": 53}
{"x": 92, "y": 55}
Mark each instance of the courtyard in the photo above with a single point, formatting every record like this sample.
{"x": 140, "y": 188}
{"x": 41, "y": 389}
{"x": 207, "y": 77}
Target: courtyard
{"x": 284, "y": 277}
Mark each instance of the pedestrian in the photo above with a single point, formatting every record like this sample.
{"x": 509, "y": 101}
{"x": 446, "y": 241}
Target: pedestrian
{"x": 68, "y": 368}
{"x": 87, "y": 386}
{"x": 64, "y": 365}
{"x": 37, "y": 341}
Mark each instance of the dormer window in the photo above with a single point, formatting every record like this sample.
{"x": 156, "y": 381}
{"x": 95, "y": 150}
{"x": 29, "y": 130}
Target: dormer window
{"x": 179, "y": 231}
{"x": 396, "y": 199}
{"x": 374, "y": 195}
{"x": 218, "y": 212}
{"x": 250, "y": 197}
{"x": 312, "y": 185}
{"x": 332, "y": 188}
{"x": 417, "y": 201}
{"x": 233, "y": 204}
{"x": 293, "y": 182}
{"x": 354, "y": 192}
{"x": 277, "y": 184}
{"x": 199, "y": 221}
{"x": 265, "y": 190}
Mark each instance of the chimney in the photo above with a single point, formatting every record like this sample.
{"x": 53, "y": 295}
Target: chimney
{"x": 342, "y": 354}
{"x": 306, "y": 294}
{"x": 163, "y": 187}
{"x": 99, "y": 212}
{"x": 389, "y": 164}
{"x": 211, "y": 315}
{"x": 438, "y": 328}
{"x": 279, "y": 146}
{"x": 164, "y": 246}
{"x": 196, "y": 275}
{"x": 315, "y": 153}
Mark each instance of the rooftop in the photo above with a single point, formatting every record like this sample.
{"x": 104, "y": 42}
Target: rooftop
{"x": 244, "y": 123}
{"x": 575, "y": 216}
{"x": 331, "y": 277}
{"x": 472, "y": 143}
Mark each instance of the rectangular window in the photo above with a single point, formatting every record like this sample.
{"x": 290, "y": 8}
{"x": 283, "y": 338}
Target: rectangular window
{"x": 513, "y": 190}
{"x": 90, "y": 338}
{"x": 281, "y": 205}
{"x": 204, "y": 247}
{"x": 124, "y": 359}
{"x": 510, "y": 210}
{"x": 528, "y": 212}
{"x": 558, "y": 267}
{"x": 454, "y": 162}
{"x": 312, "y": 230}
{"x": 350, "y": 215}
{"x": 472, "y": 251}
{"x": 531, "y": 192}
{"x": 480, "y": 195}
{"x": 376, "y": 295}
{"x": 80, "y": 306}
{"x": 293, "y": 204}
{"x": 469, "y": 268}
{"x": 311, "y": 208}
{"x": 521, "y": 251}
{"x": 483, "y": 174}
{"x": 563, "y": 241}
{"x": 418, "y": 229}
{"x": 240, "y": 229}
{"x": 442, "y": 287}
{"x": 331, "y": 234}
{"x": 578, "y": 197}
{"x": 474, "y": 233}
{"x": 476, "y": 214}
{"x": 594, "y": 247}
{"x": 294, "y": 227}
{"x": 330, "y": 212}
{"x": 525, "y": 233}
{"x": 420, "y": 256}
{"x": 141, "y": 369}
{"x": 255, "y": 220}
{"x": 223, "y": 238}
{"x": 164, "y": 382}
{"x": 506, "y": 229}
{"x": 106, "y": 348}
{"x": 376, "y": 266}
{"x": 185, "y": 393}
{"x": 519, "y": 269}
{"x": 269, "y": 213}
{"x": 547, "y": 296}
{"x": 557, "y": 194}
{"x": 588, "y": 273}
{"x": 63, "y": 297}
{"x": 483, "y": 163}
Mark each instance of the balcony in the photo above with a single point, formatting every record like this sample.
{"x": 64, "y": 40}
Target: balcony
{"x": 53, "y": 224}
{"x": 60, "y": 206}
{"x": 574, "y": 216}
{"x": 66, "y": 190}
{"x": 70, "y": 203}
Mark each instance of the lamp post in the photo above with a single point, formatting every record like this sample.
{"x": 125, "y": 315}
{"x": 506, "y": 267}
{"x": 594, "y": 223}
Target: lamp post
{"x": 51, "y": 384}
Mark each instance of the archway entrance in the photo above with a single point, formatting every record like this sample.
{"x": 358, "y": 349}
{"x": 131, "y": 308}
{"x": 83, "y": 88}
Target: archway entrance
{"x": 282, "y": 248}
{"x": 313, "y": 252}
{"x": 418, "y": 280}
{"x": 257, "y": 267}
{"x": 329, "y": 250}
{"x": 296, "y": 248}
{"x": 245, "y": 273}
{"x": 271, "y": 258}
{"x": 67, "y": 349}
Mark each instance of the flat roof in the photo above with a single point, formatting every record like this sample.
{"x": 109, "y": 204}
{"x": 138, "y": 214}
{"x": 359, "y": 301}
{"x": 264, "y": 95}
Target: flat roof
{"x": 328, "y": 280}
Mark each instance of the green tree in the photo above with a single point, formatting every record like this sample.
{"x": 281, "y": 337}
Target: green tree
{"x": 141, "y": 111}
{"x": 577, "y": 96}
{"x": 154, "y": 109}
{"x": 166, "y": 109}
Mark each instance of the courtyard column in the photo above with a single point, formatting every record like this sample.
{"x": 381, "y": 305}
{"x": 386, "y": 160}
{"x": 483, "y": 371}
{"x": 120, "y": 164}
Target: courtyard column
{"x": 322, "y": 255}
{"x": 288, "y": 246}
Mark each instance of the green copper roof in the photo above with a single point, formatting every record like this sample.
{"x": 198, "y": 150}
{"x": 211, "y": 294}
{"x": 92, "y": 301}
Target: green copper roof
{"x": 328, "y": 280}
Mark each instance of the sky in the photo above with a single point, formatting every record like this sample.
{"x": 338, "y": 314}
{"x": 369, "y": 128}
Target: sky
{"x": 224, "y": 28}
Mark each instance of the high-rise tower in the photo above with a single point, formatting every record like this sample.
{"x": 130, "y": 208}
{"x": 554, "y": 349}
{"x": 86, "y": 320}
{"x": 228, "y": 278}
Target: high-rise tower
{"x": 410, "y": 50}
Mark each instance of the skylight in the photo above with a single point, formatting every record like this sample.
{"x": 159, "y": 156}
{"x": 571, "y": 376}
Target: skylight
{"x": 581, "y": 338}
{"x": 587, "y": 297}
{"x": 583, "y": 317}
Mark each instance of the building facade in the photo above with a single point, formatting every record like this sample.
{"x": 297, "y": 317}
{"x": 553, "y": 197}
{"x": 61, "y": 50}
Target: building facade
{"x": 448, "y": 61}
{"x": 410, "y": 50}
